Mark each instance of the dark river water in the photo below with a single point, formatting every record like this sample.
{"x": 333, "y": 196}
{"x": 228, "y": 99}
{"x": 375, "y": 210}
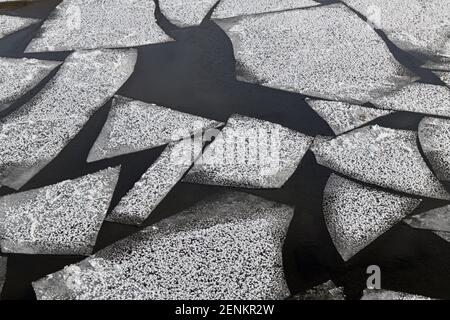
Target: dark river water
{"x": 196, "y": 74}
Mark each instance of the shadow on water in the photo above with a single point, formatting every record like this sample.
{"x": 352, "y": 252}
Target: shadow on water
{"x": 196, "y": 74}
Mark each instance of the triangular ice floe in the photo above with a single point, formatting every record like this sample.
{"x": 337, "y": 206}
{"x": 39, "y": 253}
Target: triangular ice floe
{"x": 380, "y": 294}
{"x": 11, "y": 24}
{"x": 63, "y": 218}
{"x": 356, "y": 215}
{"x": 226, "y": 247}
{"x": 437, "y": 219}
{"x": 33, "y": 135}
{"x": 381, "y": 156}
{"x": 135, "y": 126}
{"x": 342, "y": 116}
{"x": 87, "y": 24}
{"x": 186, "y": 13}
{"x": 250, "y": 153}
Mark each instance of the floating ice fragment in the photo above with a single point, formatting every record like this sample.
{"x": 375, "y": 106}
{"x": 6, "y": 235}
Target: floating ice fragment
{"x": 33, "y": 135}
{"x": 11, "y": 24}
{"x": 342, "y": 116}
{"x": 92, "y": 24}
{"x": 135, "y": 125}
{"x": 323, "y": 51}
{"x": 234, "y": 8}
{"x": 63, "y": 218}
{"x": 325, "y": 291}
{"x": 156, "y": 182}
{"x": 381, "y": 156}
{"x": 250, "y": 153}
{"x": 3, "y": 266}
{"x": 226, "y": 247}
{"x": 18, "y": 76}
{"x": 380, "y": 294}
{"x": 443, "y": 235}
{"x": 356, "y": 215}
{"x": 436, "y": 220}
{"x": 444, "y": 76}
{"x": 434, "y": 136}
{"x": 186, "y": 13}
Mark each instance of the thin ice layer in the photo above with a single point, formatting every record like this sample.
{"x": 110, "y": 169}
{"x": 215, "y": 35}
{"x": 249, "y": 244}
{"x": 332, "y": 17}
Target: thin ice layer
{"x": 380, "y": 294}
{"x": 18, "y": 76}
{"x": 63, "y": 218}
{"x": 324, "y": 291}
{"x": 381, "y": 156}
{"x": 11, "y": 24}
{"x": 186, "y": 13}
{"x": 356, "y": 215}
{"x": 34, "y": 135}
{"x": 323, "y": 51}
{"x": 88, "y": 24}
{"x": 417, "y": 97}
{"x": 250, "y": 153}
{"x": 434, "y": 137}
{"x": 3, "y": 266}
{"x": 234, "y": 8}
{"x": 135, "y": 125}
{"x": 342, "y": 116}
{"x": 226, "y": 247}
{"x": 420, "y": 27}
{"x": 437, "y": 219}
{"x": 156, "y": 182}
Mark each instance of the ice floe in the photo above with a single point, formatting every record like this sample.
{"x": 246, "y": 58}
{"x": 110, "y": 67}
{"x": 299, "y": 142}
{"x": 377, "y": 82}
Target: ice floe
{"x": 434, "y": 137}
{"x": 437, "y": 219}
{"x": 226, "y": 247}
{"x": 324, "y": 291}
{"x": 233, "y": 8}
{"x": 381, "y": 156}
{"x": 342, "y": 116}
{"x": 323, "y": 51}
{"x": 18, "y": 76}
{"x": 11, "y": 24}
{"x": 250, "y": 153}
{"x": 356, "y": 215}
{"x": 3, "y": 266}
{"x": 135, "y": 125}
{"x": 186, "y": 13}
{"x": 33, "y": 135}
{"x": 63, "y": 218}
{"x": 156, "y": 182}
{"x": 444, "y": 76}
{"x": 380, "y": 294}
{"x": 87, "y": 24}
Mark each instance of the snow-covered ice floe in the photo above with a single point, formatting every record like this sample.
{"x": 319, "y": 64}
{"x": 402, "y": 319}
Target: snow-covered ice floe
{"x": 134, "y": 125}
{"x": 324, "y": 291}
{"x": 436, "y": 220}
{"x": 380, "y": 294}
{"x": 228, "y": 246}
{"x": 250, "y": 153}
{"x": 384, "y": 157}
{"x": 11, "y": 24}
{"x": 63, "y": 218}
{"x": 186, "y": 13}
{"x": 33, "y": 135}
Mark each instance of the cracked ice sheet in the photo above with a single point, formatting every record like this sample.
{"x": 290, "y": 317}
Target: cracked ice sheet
{"x": 228, "y": 246}
{"x": 325, "y": 51}
{"x": 325, "y": 291}
{"x": 11, "y": 24}
{"x": 18, "y": 76}
{"x": 417, "y": 26}
{"x": 186, "y": 13}
{"x": 3, "y": 266}
{"x": 250, "y": 153}
{"x": 135, "y": 125}
{"x": 87, "y": 24}
{"x": 34, "y": 135}
{"x": 434, "y": 137}
{"x": 156, "y": 182}
{"x": 63, "y": 218}
{"x": 381, "y": 156}
{"x": 437, "y": 219}
{"x": 356, "y": 215}
{"x": 234, "y": 8}
{"x": 417, "y": 97}
{"x": 380, "y": 294}
{"x": 342, "y": 116}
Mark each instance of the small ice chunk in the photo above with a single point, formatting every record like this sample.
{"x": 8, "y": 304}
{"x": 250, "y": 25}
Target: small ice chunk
{"x": 88, "y": 24}
{"x": 18, "y": 76}
{"x": 437, "y": 219}
{"x": 434, "y": 137}
{"x": 380, "y": 294}
{"x": 234, "y": 8}
{"x": 33, "y": 135}
{"x": 356, "y": 215}
{"x": 250, "y": 153}
{"x": 3, "y": 266}
{"x": 444, "y": 76}
{"x": 135, "y": 126}
{"x": 322, "y": 51}
{"x": 342, "y": 116}
{"x": 63, "y": 218}
{"x": 186, "y": 13}
{"x": 417, "y": 97}
{"x": 227, "y": 247}
{"x": 325, "y": 291}
{"x": 443, "y": 235}
{"x": 11, "y": 24}
{"x": 156, "y": 182}
{"x": 381, "y": 156}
